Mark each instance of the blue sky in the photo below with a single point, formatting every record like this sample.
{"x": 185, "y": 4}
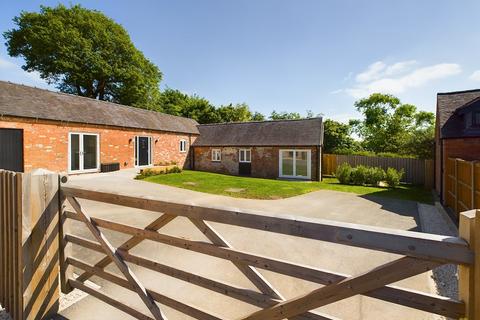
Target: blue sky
{"x": 294, "y": 55}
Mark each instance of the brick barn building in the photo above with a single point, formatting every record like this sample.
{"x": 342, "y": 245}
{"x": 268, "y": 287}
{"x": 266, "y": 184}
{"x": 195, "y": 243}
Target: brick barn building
{"x": 289, "y": 149}
{"x": 457, "y": 130}
{"x": 63, "y": 132}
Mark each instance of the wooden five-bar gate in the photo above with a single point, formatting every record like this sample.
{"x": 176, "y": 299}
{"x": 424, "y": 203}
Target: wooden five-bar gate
{"x": 419, "y": 252}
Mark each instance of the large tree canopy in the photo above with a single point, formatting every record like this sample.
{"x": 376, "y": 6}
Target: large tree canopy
{"x": 390, "y": 126}
{"x": 337, "y": 138}
{"x": 85, "y": 53}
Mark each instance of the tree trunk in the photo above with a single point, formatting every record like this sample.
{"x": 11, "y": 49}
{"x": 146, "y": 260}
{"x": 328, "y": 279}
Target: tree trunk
{"x": 101, "y": 89}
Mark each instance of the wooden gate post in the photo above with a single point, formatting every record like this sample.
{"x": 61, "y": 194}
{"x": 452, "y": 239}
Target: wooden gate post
{"x": 469, "y": 276}
{"x": 40, "y": 245}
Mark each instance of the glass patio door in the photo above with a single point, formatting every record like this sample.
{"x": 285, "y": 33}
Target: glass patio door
{"x": 83, "y": 152}
{"x": 295, "y": 164}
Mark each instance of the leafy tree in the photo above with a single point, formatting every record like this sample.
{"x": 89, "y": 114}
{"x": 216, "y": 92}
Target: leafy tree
{"x": 86, "y": 53}
{"x": 257, "y": 116}
{"x": 421, "y": 141}
{"x": 284, "y": 115}
{"x": 200, "y": 109}
{"x": 234, "y": 113}
{"x": 390, "y": 126}
{"x": 172, "y": 101}
{"x": 337, "y": 137}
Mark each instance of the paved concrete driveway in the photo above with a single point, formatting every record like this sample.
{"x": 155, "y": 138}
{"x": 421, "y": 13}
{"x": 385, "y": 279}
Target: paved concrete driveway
{"x": 321, "y": 204}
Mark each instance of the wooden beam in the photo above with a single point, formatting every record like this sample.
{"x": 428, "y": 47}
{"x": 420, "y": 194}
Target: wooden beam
{"x": 115, "y": 257}
{"x": 242, "y": 294}
{"x": 66, "y": 272}
{"x": 476, "y": 244}
{"x": 466, "y": 274}
{"x": 230, "y": 290}
{"x": 108, "y": 300}
{"x": 390, "y": 272}
{"x": 402, "y": 296}
{"x": 156, "y": 225}
{"x": 409, "y": 243}
{"x": 250, "y": 272}
{"x": 192, "y": 311}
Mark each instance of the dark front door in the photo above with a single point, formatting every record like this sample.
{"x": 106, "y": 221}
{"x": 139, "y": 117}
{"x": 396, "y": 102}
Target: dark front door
{"x": 143, "y": 151}
{"x": 11, "y": 149}
{"x": 245, "y": 169}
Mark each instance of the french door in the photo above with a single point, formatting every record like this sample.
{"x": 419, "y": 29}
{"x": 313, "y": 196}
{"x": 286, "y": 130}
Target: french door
{"x": 295, "y": 164}
{"x": 143, "y": 151}
{"x": 84, "y": 152}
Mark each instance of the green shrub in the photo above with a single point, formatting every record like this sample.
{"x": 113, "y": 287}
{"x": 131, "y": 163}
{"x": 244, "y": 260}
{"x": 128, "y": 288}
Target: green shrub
{"x": 343, "y": 173}
{"x": 359, "y": 175}
{"x": 145, "y": 173}
{"x": 375, "y": 175}
{"x": 393, "y": 177}
{"x": 372, "y": 176}
{"x": 173, "y": 170}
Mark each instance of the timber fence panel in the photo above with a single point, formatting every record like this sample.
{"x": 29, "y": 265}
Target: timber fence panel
{"x": 329, "y": 164}
{"x": 461, "y": 185}
{"x": 416, "y": 171}
{"x": 29, "y": 244}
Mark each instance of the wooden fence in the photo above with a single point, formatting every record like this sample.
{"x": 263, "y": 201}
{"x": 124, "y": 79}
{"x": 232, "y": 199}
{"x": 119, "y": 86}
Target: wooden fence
{"x": 29, "y": 244}
{"x": 417, "y": 171}
{"x": 419, "y": 253}
{"x": 462, "y": 184}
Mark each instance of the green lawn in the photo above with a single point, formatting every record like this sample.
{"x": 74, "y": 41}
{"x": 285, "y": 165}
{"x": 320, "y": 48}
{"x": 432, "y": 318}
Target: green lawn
{"x": 254, "y": 188}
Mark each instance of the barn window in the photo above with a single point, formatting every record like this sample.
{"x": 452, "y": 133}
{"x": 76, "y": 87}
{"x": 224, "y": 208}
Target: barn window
{"x": 216, "y": 155}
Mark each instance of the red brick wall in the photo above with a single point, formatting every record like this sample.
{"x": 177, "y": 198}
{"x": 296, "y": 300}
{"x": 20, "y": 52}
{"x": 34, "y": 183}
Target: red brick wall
{"x": 264, "y": 161}
{"x": 46, "y": 143}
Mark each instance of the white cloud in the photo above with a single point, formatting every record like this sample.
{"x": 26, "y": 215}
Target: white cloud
{"x": 10, "y": 71}
{"x": 336, "y": 91}
{"x": 374, "y": 71}
{"x": 348, "y": 76}
{"x": 399, "y": 77}
{"x": 399, "y": 67}
{"x": 5, "y": 64}
{"x": 475, "y": 76}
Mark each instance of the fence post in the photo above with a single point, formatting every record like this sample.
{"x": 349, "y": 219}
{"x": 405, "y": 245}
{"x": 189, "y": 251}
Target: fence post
{"x": 66, "y": 271}
{"x": 40, "y": 245}
{"x": 456, "y": 186}
{"x": 469, "y": 276}
{"x": 473, "y": 163}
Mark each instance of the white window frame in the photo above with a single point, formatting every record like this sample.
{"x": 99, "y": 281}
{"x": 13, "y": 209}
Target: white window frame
{"x": 135, "y": 152}
{"x": 80, "y": 149}
{"x": 295, "y": 176}
{"x": 245, "y": 155}
{"x": 216, "y": 155}
{"x": 183, "y": 143}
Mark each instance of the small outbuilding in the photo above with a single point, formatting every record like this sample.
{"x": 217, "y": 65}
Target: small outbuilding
{"x": 290, "y": 149}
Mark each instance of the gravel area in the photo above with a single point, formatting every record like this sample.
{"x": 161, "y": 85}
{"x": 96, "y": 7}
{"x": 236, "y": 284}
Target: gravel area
{"x": 66, "y": 300}
{"x": 3, "y": 314}
{"x": 434, "y": 219}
